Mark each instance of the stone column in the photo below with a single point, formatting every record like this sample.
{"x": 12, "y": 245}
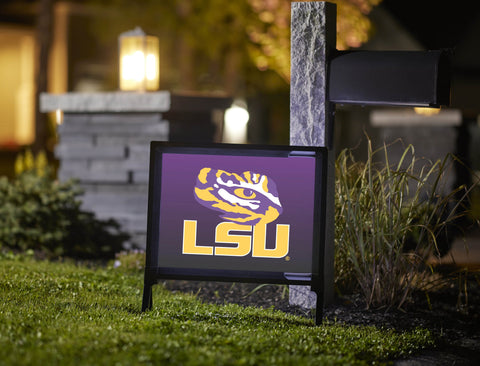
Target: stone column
{"x": 313, "y": 37}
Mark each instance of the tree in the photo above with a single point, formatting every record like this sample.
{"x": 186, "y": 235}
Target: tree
{"x": 271, "y": 40}
{"x": 228, "y": 45}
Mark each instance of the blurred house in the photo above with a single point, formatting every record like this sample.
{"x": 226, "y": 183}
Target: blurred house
{"x": 78, "y": 63}
{"x": 18, "y": 65}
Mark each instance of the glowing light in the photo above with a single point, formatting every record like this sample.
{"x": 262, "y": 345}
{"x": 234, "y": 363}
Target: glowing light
{"x": 151, "y": 67}
{"x": 59, "y": 116}
{"x": 133, "y": 66}
{"x": 425, "y": 111}
{"x": 139, "y": 61}
{"x": 236, "y": 122}
{"x": 237, "y": 115}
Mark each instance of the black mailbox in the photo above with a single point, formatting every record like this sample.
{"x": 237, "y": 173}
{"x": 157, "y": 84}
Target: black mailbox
{"x": 411, "y": 78}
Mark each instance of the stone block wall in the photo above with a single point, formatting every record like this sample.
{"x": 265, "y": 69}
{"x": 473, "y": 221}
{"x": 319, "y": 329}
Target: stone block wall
{"x": 108, "y": 154}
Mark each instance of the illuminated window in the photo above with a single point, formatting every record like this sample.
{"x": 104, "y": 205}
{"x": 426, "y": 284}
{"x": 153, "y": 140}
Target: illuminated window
{"x": 17, "y": 90}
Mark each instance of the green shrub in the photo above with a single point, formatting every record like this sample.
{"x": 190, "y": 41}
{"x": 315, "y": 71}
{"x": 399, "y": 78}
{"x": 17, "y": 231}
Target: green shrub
{"x": 130, "y": 261}
{"x": 389, "y": 220}
{"x": 27, "y": 162}
{"x": 41, "y": 214}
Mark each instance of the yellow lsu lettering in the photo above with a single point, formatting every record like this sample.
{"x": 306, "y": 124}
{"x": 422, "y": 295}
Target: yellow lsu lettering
{"x": 243, "y": 242}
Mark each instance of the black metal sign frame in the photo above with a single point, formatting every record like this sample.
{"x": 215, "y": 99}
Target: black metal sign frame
{"x": 168, "y": 161}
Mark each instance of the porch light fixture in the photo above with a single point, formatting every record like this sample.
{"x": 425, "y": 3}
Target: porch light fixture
{"x": 139, "y": 61}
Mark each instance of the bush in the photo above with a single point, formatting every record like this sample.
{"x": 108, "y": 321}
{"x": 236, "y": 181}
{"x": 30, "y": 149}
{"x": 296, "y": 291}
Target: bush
{"x": 389, "y": 220}
{"x": 130, "y": 261}
{"x": 41, "y": 214}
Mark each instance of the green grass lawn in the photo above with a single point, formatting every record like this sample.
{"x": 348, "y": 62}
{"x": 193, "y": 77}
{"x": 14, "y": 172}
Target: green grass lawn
{"x": 64, "y": 314}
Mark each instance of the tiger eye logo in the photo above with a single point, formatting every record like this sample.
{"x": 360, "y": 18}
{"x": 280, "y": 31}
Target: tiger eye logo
{"x": 247, "y": 202}
{"x": 247, "y": 198}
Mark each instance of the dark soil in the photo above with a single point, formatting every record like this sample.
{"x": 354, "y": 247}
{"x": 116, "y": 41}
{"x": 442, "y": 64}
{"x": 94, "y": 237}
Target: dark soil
{"x": 451, "y": 316}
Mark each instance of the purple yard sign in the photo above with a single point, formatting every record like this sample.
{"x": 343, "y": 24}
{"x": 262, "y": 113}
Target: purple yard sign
{"x": 235, "y": 213}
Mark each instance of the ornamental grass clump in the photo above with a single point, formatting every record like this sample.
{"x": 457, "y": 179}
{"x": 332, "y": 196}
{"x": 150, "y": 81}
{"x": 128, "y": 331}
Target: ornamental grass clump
{"x": 390, "y": 219}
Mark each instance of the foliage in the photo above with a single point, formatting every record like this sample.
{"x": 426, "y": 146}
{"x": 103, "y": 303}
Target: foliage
{"x": 223, "y": 44}
{"x": 41, "y": 214}
{"x": 130, "y": 261}
{"x": 271, "y": 36}
{"x": 60, "y": 313}
{"x": 27, "y": 162}
{"x": 390, "y": 219}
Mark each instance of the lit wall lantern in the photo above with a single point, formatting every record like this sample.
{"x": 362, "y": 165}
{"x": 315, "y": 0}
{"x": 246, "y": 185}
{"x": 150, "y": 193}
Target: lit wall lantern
{"x": 139, "y": 61}
{"x": 236, "y": 120}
